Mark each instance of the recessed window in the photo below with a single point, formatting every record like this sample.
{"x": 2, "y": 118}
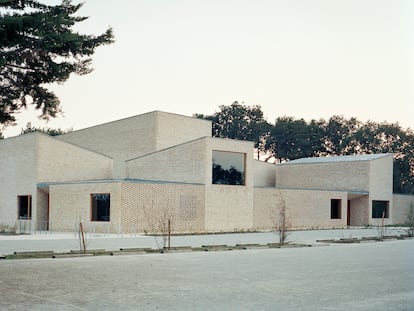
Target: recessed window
{"x": 24, "y": 203}
{"x": 380, "y": 209}
{"x": 228, "y": 168}
{"x": 101, "y": 203}
{"x": 336, "y": 205}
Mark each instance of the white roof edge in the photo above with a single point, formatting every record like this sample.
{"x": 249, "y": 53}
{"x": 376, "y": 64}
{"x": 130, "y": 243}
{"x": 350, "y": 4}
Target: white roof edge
{"x": 338, "y": 159}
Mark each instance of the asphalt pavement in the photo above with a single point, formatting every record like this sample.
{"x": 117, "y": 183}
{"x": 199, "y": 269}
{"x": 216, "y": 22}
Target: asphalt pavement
{"x": 374, "y": 276}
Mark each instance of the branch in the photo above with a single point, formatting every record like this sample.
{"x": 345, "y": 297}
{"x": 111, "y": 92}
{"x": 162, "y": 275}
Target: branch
{"x": 21, "y": 67}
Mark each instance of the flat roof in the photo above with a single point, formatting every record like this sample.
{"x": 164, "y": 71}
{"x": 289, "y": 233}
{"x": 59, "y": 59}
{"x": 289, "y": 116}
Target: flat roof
{"x": 338, "y": 159}
{"x": 102, "y": 181}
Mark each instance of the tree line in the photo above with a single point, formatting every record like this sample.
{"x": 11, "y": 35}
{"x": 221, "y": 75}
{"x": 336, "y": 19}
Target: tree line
{"x": 289, "y": 138}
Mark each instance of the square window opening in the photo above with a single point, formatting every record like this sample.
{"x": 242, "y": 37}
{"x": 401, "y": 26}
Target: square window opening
{"x": 380, "y": 209}
{"x": 100, "y": 206}
{"x": 24, "y": 203}
{"x": 336, "y": 205}
{"x": 229, "y": 168}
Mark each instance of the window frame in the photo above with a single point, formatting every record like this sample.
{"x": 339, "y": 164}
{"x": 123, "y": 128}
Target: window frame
{"x": 386, "y": 209}
{"x": 92, "y": 200}
{"x": 243, "y": 173}
{"x": 29, "y": 207}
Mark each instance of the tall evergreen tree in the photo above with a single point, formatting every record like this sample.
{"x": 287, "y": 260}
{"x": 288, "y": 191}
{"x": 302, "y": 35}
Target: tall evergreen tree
{"x": 39, "y": 47}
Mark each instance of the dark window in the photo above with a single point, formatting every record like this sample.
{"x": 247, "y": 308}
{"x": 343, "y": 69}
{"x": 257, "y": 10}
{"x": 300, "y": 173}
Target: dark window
{"x": 25, "y": 206}
{"x": 336, "y": 205}
{"x": 228, "y": 168}
{"x": 380, "y": 209}
{"x": 101, "y": 203}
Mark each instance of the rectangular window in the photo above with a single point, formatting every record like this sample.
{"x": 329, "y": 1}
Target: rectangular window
{"x": 24, "y": 203}
{"x": 100, "y": 206}
{"x": 228, "y": 168}
{"x": 336, "y": 206}
{"x": 380, "y": 209}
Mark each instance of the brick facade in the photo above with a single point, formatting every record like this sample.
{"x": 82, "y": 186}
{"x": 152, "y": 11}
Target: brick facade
{"x": 158, "y": 166}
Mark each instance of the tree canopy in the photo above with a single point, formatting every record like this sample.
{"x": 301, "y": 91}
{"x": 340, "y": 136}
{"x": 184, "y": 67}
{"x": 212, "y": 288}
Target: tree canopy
{"x": 39, "y": 47}
{"x": 239, "y": 121}
{"x": 289, "y": 138}
{"x": 46, "y": 130}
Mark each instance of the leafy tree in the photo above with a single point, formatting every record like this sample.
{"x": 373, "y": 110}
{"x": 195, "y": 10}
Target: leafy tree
{"x": 367, "y": 138}
{"x": 293, "y": 139}
{"x": 223, "y": 176}
{"x": 39, "y": 47}
{"x": 239, "y": 121}
{"x": 339, "y": 135}
{"x": 49, "y": 131}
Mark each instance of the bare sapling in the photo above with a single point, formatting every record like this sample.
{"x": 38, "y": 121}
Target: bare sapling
{"x": 381, "y": 227}
{"x": 281, "y": 220}
{"x": 159, "y": 224}
{"x": 82, "y": 239}
{"x": 410, "y": 220}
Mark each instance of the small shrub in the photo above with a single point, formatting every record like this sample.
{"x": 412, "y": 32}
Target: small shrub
{"x": 5, "y": 228}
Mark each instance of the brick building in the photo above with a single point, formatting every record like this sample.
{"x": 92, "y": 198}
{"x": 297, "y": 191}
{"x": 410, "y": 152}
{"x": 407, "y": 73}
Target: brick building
{"x": 131, "y": 175}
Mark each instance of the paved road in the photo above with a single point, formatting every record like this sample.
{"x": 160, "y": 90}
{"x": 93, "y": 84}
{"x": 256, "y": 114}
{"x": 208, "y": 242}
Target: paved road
{"x": 370, "y": 276}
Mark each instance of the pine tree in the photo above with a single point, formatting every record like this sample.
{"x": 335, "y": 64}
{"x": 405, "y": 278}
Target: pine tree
{"x": 39, "y": 47}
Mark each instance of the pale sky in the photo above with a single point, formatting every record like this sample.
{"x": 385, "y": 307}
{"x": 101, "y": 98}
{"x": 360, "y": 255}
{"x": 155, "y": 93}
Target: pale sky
{"x": 301, "y": 58}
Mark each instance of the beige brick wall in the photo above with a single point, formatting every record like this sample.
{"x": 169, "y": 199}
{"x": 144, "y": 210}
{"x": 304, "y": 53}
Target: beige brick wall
{"x": 264, "y": 208}
{"x": 18, "y": 160}
{"x": 381, "y": 174}
{"x": 61, "y": 161}
{"x": 401, "y": 203}
{"x": 182, "y": 163}
{"x": 360, "y": 211}
{"x": 189, "y": 162}
{"x": 146, "y": 207}
{"x": 136, "y": 136}
{"x": 135, "y": 207}
{"x": 42, "y": 215}
{"x": 71, "y": 204}
{"x": 174, "y": 129}
{"x": 305, "y": 208}
{"x": 380, "y": 186}
{"x": 121, "y": 139}
{"x": 229, "y": 208}
{"x": 351, "y": 176}
{"x": 264, "y": 174}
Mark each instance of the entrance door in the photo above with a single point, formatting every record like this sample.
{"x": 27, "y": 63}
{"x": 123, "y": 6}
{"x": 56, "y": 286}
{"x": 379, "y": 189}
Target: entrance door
{"x": 348, "y": 213}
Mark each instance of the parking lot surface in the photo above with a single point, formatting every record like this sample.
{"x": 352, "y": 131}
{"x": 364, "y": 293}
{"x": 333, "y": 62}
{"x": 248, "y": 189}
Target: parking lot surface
{"x": 369, "y": 276}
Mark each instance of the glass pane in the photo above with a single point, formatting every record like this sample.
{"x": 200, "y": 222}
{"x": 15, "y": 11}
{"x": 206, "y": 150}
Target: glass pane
{"x": 380, "y": 208}
{"x": 101, "y": 207}
{"x": 228, "y": 168}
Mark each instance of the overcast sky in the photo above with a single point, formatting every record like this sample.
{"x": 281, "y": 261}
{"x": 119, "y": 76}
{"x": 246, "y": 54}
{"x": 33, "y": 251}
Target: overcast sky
{"x": 300, "y": 58}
